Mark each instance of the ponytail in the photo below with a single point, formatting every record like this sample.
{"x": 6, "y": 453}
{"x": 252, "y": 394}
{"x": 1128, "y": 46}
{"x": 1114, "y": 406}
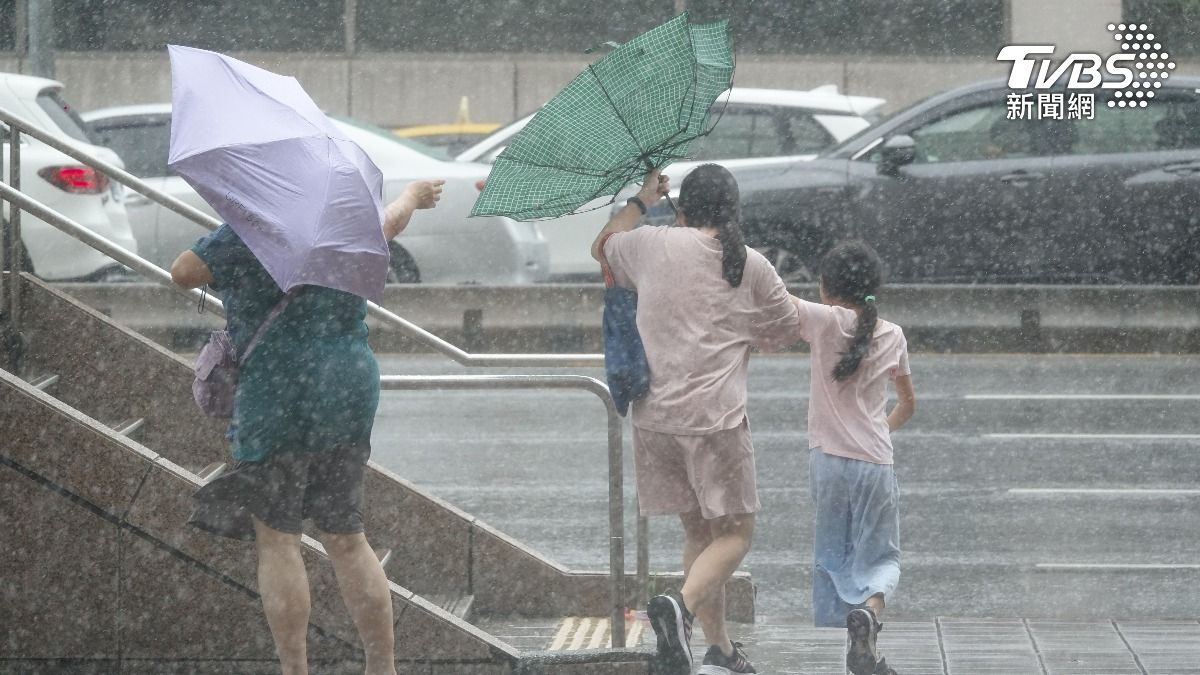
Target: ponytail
{"x": 851, "y": 272}
{"x": 709, "y": 197}
{"x": 860, "y": 344}
{"x": 733, "y": 253}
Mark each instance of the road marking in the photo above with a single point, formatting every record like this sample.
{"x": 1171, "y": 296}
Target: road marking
{"x": 599, "y": 634}
{"x": 1116, "y": 492}
{"x": 564, "y": 631}
{"x": 1082, "y": 397}
{"x": 581, "y": 633}
{"x": 1096, "y": 437}
{"x": 1116, "y": 566}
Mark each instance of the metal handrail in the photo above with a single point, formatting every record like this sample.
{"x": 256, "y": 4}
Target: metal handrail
{"x": 616, "y": 507}
{"x": 13, "y": 195}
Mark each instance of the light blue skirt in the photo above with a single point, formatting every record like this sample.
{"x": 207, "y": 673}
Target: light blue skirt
{"x": 856, "y": 547}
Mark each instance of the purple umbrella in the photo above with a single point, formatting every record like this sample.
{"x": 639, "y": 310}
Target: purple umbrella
{"x": 304, "y": 198}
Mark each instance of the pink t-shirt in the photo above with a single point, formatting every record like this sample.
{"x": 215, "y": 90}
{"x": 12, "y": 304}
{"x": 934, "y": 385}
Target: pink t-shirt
{"x": 696, "y": 328}
{"x": 849, "y": 418}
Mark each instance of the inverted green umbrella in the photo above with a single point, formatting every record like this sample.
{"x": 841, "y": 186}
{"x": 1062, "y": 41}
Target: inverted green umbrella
{"x": 634, "y": 110}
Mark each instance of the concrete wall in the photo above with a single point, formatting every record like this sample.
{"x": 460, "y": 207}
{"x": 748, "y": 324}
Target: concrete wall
{"x": 393, "y": 89}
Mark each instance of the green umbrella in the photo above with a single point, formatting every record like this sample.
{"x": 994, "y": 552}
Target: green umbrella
{"x": 634, "y": 110}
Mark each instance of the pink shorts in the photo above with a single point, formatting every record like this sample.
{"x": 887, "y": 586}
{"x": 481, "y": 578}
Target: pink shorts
{"x": 679, "y": 474}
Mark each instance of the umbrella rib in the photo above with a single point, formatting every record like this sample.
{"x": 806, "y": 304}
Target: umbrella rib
{"x": 613, "y": 104}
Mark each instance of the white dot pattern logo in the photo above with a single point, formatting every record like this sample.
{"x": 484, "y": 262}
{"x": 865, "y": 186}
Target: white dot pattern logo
{"x": 1150, "y": 62}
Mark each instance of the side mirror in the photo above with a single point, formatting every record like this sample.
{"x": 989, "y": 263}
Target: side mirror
{"x": 897, "y": 151}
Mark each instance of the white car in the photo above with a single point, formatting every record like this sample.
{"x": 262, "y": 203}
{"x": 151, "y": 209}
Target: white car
{"x": 757, "y": 127}
{"x": 64, "y": 184}
{"x": 442, "y": 245}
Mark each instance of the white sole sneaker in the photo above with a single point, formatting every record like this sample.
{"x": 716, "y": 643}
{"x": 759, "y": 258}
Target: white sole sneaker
{"x": 666, "y": 617}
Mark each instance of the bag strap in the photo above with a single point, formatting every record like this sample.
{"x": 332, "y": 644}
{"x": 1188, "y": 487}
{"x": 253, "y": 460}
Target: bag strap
{"x": 262, "y": 328}
{"x": 609, "y": 279}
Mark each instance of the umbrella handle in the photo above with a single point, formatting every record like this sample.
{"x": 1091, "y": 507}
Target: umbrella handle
{"x": 670, "y": 202}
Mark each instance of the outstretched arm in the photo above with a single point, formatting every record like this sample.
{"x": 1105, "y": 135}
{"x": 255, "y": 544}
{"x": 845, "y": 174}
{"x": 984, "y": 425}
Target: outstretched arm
{"x": 906, "y": 403}
{"x": 627, "y": 218}
{"x": 421, "y": 194}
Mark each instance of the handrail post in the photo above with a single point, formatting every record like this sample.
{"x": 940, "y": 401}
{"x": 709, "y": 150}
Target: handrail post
{"x": 643, "y": 557}
{"x": 14, "y": 233}
{"x": 616, "y": 523}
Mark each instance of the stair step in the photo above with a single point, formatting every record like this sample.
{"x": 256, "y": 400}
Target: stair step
{"x": 456, "y": 604}
{"x": 130, "y": 427}
{"x": 44, "y": 382}
{"x": 566, "y": 634}
{"x": 211, "y": 471}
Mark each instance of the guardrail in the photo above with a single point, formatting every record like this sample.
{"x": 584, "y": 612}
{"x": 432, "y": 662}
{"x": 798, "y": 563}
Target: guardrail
{"x": 550, "y": 317}
{"x": 11, "y": 193}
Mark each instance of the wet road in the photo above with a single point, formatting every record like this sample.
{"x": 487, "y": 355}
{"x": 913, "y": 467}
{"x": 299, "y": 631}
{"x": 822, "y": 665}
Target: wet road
{"x": 1031, "y": 486}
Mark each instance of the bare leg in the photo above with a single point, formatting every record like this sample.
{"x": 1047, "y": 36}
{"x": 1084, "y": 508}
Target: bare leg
{"x": 365, "y": 591}
{"x": 875, "y": 602}
{"x": 283, "y": 585}
{"x": 704, "y": 587}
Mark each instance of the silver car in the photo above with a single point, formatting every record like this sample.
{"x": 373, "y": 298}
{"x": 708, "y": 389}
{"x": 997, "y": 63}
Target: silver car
{"x": 440, "y": 246}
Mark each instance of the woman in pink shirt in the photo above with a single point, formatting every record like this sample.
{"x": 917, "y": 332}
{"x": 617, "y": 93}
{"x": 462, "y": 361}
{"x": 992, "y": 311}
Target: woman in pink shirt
{"x": 704, "y": 300}
{"x": 855, "y": 354}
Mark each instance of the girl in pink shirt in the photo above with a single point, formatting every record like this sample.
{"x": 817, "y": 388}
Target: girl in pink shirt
{"x": 855, "y": 354}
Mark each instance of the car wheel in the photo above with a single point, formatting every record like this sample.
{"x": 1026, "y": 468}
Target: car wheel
{"x": 795, "y": 264}
{"x": 404, "y": 268}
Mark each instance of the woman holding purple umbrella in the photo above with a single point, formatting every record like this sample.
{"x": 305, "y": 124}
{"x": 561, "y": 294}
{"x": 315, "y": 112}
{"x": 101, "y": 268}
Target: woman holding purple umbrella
{"x": 300, "y": 436}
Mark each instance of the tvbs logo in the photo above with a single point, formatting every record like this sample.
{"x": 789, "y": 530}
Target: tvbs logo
{"x": 1131, "y": 74}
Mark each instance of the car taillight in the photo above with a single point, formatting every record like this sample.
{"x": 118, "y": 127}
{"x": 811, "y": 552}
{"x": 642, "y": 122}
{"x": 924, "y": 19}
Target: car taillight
{"x": 76, "y": 179}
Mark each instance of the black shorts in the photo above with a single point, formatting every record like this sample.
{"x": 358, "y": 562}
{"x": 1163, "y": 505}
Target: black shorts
{"x": 283, "y": 491}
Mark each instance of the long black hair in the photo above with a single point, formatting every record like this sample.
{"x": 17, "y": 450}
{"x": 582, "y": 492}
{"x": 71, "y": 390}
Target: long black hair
{"x": 851, "y": 273}
{"x": 709, "y": 197}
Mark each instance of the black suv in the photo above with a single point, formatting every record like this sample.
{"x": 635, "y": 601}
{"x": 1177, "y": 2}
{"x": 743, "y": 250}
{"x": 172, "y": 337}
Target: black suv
{"x": 952, "y": 190}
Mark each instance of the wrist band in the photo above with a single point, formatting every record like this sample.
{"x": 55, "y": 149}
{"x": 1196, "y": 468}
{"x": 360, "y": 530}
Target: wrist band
{"x": 638, "y": 203}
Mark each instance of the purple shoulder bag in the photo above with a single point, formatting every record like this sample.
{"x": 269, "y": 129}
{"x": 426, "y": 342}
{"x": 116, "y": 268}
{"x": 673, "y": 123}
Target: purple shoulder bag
{"x": 218, "y": 366}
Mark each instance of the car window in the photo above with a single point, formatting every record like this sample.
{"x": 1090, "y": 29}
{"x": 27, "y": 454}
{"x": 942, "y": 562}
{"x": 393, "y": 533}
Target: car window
{"x": 805, "y": 135}
{"x": 1167, "y": 123}
{"x": 143, "y": 147}
{"x": 741, "y": 134}
{"x": 64, "y": 116}
{"x": 981, "y": 132}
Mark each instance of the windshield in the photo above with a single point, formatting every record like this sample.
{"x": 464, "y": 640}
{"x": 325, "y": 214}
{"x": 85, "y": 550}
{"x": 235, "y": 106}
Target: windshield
{"x": 64, "y": 116}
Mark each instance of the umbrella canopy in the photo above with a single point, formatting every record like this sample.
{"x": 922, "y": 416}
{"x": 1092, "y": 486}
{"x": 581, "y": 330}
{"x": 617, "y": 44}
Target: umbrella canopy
{"x": 304, "y": 198}
{"x": 634, "y": 110}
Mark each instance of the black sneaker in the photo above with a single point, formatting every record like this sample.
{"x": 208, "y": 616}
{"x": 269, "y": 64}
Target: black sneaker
{"x": 672, "y": 623}
{"x": 716, "y": 663}
{"x": 863, "y": 628}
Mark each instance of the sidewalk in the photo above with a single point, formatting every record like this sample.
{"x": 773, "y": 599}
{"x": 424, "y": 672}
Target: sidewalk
{"x": 945, "y": 646}
{"x": 951, "y": 646}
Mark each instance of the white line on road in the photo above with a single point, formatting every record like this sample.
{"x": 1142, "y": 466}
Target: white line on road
{"x": 1115, "y": 566}
{"x": 1115, "y": 492}
{"x": 1096, "y": 437}
{"x": 1082, "y": 397}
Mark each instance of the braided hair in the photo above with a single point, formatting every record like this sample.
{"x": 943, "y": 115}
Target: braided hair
{"x": 709, "y": 197}
{"x": 851, "y": 273}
